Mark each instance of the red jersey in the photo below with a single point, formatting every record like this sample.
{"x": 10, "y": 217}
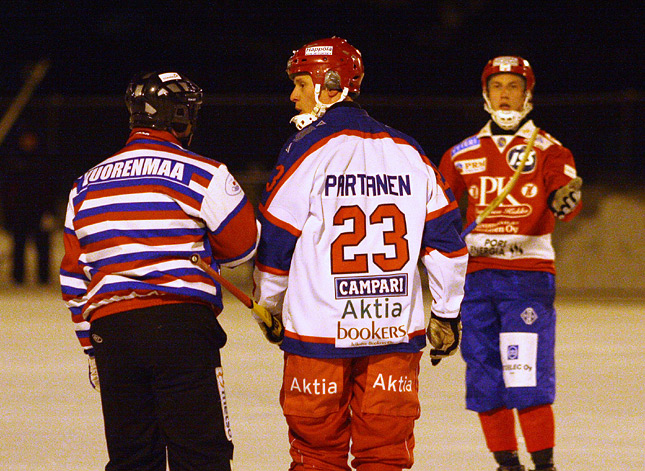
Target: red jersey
{"x": 517, "y": 234}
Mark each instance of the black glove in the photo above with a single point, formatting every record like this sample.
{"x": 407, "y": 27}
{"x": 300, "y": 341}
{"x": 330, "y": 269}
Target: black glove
{"x": 444, "y": 336}
{"x": 271, "y": 325}
{"x": 563, "y": 200}
{"x": 274, "y": 333}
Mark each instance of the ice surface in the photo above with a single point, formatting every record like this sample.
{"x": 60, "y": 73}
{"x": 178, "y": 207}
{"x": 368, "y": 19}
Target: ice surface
{"x": 50, "y": 418}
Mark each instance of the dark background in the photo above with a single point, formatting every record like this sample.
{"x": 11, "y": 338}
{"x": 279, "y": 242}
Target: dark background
{"x": 423, "y": 63}
{"x": 409, "y": 47}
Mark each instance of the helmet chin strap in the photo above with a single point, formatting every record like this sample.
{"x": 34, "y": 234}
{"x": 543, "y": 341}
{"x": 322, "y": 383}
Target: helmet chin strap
{"x": 508, "y": 119}
{"x": 305, "y": 119}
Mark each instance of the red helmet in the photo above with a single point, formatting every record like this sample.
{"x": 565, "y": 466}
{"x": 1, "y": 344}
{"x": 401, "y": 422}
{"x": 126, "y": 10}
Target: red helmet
{"x": 331, "y": 54}
{"x": 509, "y": 64}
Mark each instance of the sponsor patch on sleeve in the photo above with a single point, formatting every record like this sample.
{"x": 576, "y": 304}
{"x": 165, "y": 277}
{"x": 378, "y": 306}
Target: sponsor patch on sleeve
{"x": 569, "y": 171}
{"x": 467, "y": 144}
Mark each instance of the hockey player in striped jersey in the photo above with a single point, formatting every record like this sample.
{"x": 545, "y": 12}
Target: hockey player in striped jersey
{"x": 145, "y": 315}
{"x": 508, "y": 313}
{"x": 350, "y": 209}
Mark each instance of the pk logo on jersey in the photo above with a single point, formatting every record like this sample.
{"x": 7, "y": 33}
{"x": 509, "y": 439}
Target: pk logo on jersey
{"x": 514, "y": 157}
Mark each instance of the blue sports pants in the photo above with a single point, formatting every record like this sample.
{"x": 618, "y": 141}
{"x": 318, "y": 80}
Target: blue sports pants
{"x": 507, "y": 302}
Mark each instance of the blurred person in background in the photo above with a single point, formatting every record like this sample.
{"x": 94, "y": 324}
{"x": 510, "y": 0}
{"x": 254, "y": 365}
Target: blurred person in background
{"x": 28, "y": 202}
{"x": 508, "y": 310}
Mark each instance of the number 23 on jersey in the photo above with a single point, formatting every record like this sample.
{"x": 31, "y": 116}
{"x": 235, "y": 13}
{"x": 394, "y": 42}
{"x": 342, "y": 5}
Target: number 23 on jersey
{"x": 343, "y": 264}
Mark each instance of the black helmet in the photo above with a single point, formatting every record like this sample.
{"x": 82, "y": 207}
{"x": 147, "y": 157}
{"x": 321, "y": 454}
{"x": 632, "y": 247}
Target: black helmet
{"x": 163, "y": 100}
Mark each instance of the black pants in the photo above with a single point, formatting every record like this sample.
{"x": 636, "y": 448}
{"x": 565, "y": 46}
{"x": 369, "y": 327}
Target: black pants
{"x": 159, "y": 370}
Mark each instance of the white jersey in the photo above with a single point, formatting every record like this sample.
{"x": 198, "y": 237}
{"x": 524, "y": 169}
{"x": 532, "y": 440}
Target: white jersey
{"x": 351, "y": 208}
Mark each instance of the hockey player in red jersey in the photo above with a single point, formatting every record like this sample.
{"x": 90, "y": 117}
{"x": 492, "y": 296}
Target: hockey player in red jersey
{"x": 351, "y": 208}
{"x": 145, "y": 315}
{"x": 508, "y": 312}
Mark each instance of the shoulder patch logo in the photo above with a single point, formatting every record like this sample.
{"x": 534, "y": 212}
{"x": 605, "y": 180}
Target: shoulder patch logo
{"x": 231, "y": 187}
{"x": 467, "y": 144}
{"x": 569, "y": 171}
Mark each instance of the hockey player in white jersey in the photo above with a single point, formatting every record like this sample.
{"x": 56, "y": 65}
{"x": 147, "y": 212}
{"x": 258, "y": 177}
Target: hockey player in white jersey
{"x": 350, "y": 209}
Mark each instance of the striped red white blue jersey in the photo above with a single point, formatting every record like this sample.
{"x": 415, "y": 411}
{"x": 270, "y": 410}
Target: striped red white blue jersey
{"x": 350, "y": 209}
{"x": 133, "y": 221}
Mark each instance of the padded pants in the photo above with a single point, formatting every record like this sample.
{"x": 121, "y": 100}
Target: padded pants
{"x": 371, "y": 402}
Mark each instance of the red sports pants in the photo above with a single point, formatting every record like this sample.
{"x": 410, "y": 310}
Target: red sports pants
{"x": 371, "y": 400}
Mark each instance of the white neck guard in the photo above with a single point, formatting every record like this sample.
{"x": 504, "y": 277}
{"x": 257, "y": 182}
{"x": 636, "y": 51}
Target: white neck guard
{"x": 508, "y": 119}
{"x": 305, "y": 119}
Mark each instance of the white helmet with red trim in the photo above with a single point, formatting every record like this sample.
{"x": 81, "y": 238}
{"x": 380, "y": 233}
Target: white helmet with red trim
{"x": 332, "y": 63}
{"x": 509, "y": 119}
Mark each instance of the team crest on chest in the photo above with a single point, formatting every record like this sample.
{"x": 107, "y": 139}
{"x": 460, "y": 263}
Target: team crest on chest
{"x": 514, "y": 157}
